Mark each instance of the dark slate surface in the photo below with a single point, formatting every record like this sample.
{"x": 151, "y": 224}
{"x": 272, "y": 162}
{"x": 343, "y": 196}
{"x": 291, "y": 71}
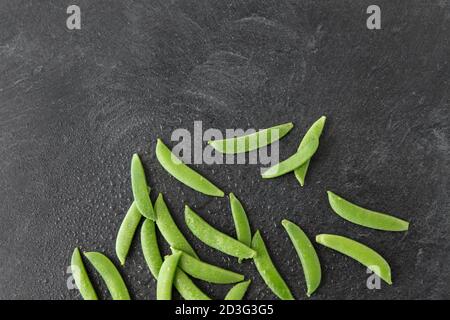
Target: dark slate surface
{"x": 74, "y": 106}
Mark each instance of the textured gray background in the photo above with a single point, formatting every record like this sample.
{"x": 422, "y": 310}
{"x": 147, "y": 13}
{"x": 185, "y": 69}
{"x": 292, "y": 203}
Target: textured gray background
{"x": 74, "y": 106}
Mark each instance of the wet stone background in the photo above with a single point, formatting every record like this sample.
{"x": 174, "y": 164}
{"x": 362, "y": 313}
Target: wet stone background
{"x": 75, "y": 105}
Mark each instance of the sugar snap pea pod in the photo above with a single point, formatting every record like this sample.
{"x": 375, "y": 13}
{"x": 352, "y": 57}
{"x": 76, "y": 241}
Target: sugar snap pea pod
{"x": 109, "y": 274}
{"x": 307, "y": 254}
{"x": 365, "y": 217}
{"x": 358, "y": 251}
{"x": 126, "y": 232}
{"x": 187, "y": 288}
{"x": 238, "y": 291}
{"x": 315, "y": 131}
{"x": 152, "y": 255}
{"x": 300, "y": 172}
{"x": 214, "y": 238}
{"x": 241, "y": 223}
{"x": 169, "y": 228}
{"x": 267, "y": 269}
{"x": 252, "y": 141}
{"x": 183, "y": 173}
{"x": 205, "y": 271}
{"x": 81, "y": 277}
{"x": 165, "y": 277}
{"x": 150, "y": 248}
{"x": 140, "y": 188}
{"x": 293, "y": 162}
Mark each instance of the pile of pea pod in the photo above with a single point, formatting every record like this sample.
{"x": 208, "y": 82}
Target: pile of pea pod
{"x": 177, "y": 269}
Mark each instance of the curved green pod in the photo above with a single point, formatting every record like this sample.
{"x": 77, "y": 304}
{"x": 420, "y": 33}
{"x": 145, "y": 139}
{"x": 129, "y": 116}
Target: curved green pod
{"x": 358, "y": 251}
{"x": 267, "y": 269}
{"x": 109, "y": 274}
{"x": 315, "y": 131}
{"x": 214, "y": 238}
{"x": 126, "y": 232}
{"x": 300, "y": 172}
{"x": 364, "y": 217}
{"x": 184, "y": 285}
{"x": 252, "y": 141}
{"x": 187, "y": 288}
{"x": 205, "y": 271}
{"x": 140, "y": 188}
{"x": 150, "y": 248}
{"x": 166, "y": 276}
{"x": 183, "y": 173}
{"x": 169, "y": 229}
{"x": 238, "y": 291}
{"x": 241, "y": 224}
{"x": 81, "y": 277}
{"x": 307, "y": 254}
{"x": 293, "y": 162}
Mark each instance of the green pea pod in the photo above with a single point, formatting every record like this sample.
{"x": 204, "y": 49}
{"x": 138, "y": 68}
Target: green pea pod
{"x": 187, "y": 288}
{"x": 140, "y": 189}
{"x": 109, "y": 274}
{"x": 166, "y": 276}
{"x": 183, "y": 173}
{"x": 314, "y": 132}
{"x": 184, "y": 285}
{"x": 243, "y": 232}
{"x": 238, "y": 291}
{"x": 300, "y": 172}
{"x": 205, "y": 271}
{"x": 365, "y": 217}
{"x": 358, "y": 251}
{"x": 252, "y": 141}
{"x": 169, "y": 228}
{"x": 150, "y": 248}
{"x": 294, "y": 161}
{"x": 307, "y": 254}
{"x": 267, "y": 269}
{"x": 214, "y": 238}
{"x": 126, "y": 232}
{"x": 81, "y": 277}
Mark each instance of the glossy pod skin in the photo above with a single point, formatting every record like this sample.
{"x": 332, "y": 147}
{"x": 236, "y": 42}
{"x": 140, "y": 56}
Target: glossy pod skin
{"x": 109, "y": 274}
{"x": 300, "y": 172}
{"x": 184, "y": 285}
{"x": 126, "y": 232}
{"x": 307, "y": 254}
{"x": 267, "y": 269}
{"x": 187, "y": 288}
{"x": 183, "y": 173}
{"x": 238, "y": 291}
{"x": 169, "y": 229}
{"x": 358, "y": 251}
{"x": 252, "y": 141}
{"x": 150, "y": 248}
{"x": 166, "y": 276}
{"x": 81, "y": 277}
{"x": 314, "y": 132}
{"x": 293, "y": 162}
{"x": 364, "y": 217}
{"x": 243, "y": 231}
{"x": 214, "y": 238}
{"x": 140, "y": 188}
{"x": 205, "y": 271}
